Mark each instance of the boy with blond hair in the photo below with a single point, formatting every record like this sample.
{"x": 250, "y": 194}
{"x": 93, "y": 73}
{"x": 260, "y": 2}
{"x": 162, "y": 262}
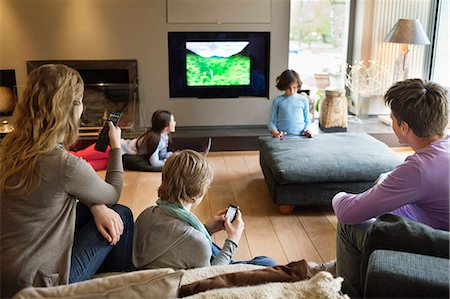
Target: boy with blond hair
{"x": 170, "y": 235}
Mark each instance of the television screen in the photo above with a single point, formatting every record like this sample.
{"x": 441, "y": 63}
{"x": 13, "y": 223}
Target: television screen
{"x": 217, "y": 63}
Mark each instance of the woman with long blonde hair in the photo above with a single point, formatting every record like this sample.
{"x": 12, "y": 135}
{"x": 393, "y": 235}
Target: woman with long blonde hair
{"x": 59, "y": 221}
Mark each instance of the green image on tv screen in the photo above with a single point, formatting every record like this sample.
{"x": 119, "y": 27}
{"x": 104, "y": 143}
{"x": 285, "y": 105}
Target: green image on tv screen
{"x": 217, "y": 63}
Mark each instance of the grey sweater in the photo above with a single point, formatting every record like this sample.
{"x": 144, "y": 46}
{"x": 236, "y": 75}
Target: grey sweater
{"x": 162, "y": 241}
{"x": 37, "y": 231}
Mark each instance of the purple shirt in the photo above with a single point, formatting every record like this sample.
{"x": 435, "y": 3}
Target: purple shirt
{"x": 418, "y": 189}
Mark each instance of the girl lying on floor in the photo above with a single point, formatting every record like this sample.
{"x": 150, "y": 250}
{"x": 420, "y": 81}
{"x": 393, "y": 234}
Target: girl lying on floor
{"x": 152, "y": 146}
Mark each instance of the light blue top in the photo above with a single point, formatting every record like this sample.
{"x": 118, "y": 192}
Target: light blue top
{"x": 159, "y": 157}
{"x": 289, "y": 114}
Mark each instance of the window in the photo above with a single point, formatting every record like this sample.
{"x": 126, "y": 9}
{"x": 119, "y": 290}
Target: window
{"x": 318, "y": 41}
{"x": 441, "y": 59}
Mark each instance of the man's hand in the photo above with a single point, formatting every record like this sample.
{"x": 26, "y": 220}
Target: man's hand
{"x": 108, "y": 223}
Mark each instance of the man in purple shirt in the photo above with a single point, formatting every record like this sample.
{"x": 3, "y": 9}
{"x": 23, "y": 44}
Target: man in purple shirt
{"x": 418, "y": 189}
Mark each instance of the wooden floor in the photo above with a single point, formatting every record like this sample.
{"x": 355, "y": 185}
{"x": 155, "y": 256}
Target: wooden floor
{"x": 308, "y": 233}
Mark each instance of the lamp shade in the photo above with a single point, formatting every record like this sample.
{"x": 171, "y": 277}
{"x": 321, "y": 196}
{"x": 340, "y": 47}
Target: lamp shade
{"x": 407, "y": 31}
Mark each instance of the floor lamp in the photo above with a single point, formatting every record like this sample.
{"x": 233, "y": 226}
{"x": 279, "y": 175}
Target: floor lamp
{"x": 406, "y": 32}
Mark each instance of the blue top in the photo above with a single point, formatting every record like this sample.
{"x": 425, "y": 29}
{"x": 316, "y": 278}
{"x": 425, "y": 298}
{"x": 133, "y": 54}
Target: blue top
{"x": 289, "y": 114}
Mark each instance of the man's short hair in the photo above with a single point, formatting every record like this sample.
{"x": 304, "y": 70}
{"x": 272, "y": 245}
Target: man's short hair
{"x": 422, "y": 104}
{"x": 186, "y": 175}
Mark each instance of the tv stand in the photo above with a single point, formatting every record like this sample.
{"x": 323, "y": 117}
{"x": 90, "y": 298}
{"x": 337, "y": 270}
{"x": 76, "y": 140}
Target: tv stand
{"x": 219, "y": 96}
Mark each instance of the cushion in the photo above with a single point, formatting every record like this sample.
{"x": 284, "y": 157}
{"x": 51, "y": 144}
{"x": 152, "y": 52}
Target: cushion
{"x": 158, "y": 283}
{"x": 138, "y": 163}
{"x": 294, "y": 271}
{"x": 394, "y": 232}
{"x": 337, "y": 157}
{"x": 396, "y": 274}
{"x": 322, "y": 285}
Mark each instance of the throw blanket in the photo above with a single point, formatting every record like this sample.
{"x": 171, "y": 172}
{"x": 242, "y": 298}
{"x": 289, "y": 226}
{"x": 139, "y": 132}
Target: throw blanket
{"x": 291, "y": 272}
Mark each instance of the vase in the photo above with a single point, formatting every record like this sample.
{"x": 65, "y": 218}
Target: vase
{"x": 333, "y": 109}
{"x": 322, "y": 80}
{"x": 363, "y": 107}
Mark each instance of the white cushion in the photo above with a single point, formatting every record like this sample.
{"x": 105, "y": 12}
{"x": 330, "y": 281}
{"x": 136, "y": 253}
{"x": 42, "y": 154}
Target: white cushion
{"x": 158, "y": 283}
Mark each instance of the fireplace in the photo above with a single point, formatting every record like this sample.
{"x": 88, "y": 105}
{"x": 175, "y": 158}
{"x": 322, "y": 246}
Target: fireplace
{"x": 110, "y": 85}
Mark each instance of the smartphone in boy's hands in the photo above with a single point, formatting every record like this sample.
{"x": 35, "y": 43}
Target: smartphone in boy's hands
{"x": 103, "y": 138}
{"x": 231, "y": 212}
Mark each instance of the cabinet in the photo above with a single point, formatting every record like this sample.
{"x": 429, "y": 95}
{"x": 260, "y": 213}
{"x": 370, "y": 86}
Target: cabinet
{"x": 218, "y": 11}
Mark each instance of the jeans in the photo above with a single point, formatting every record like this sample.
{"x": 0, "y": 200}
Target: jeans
{"x": 92, "y": 254}
{"x": 258, "y": 260}
{"x": 350, "y": 241}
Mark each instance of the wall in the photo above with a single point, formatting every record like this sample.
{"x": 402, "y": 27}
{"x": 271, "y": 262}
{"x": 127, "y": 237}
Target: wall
{"x": 133, "y": 29}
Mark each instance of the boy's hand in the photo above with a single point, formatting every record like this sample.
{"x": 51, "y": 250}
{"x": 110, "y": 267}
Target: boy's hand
{"x": 215, "y": 224}
{"x": 235, "y": 229}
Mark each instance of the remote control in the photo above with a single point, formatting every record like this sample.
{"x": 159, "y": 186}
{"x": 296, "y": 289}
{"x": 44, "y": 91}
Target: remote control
{"x": 103, "y": 138}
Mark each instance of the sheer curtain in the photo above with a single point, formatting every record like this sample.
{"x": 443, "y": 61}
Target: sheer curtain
{"x": 374, "y": 19}
{"x": 386, "y": 14}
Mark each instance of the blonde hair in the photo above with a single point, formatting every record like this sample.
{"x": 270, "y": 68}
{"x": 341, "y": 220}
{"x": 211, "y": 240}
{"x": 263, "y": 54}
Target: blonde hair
{"x": 44, "y": 115}
{"x": 186, "y": 175}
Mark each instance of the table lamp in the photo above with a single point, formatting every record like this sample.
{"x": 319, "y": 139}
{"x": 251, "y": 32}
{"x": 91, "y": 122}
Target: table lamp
{"x": 406, "y": 32}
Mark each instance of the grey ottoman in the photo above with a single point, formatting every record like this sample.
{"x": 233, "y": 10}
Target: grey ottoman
{"x": 302, "y": 171}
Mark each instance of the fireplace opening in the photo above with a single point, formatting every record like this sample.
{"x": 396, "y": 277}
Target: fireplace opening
{"x": 109, "y": 85}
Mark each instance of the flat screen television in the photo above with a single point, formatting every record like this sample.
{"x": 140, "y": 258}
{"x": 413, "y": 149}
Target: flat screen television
{"x": 218, "y": 64}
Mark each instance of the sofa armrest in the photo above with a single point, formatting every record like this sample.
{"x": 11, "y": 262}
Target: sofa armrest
{"x": 396, "y": 274}
{"x": 394, "y": 232}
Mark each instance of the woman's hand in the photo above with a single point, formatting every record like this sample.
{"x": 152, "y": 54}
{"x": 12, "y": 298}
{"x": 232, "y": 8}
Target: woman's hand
{"x": 235, "y": 229}
{"x": 108, "y": 223}
{"x": 216, "y": 223}
{"x": 114, "y": 133}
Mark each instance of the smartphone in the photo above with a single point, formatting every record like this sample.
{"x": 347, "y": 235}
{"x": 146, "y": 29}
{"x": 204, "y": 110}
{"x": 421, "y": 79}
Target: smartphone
{"x": 231, "y": 212}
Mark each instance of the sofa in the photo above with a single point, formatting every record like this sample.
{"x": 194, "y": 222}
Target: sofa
{"x": 310, "y": 171}
{"x": 167, "y": 283}
{"x": 402, "y": 259}
{"x": 405, "y": 259}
